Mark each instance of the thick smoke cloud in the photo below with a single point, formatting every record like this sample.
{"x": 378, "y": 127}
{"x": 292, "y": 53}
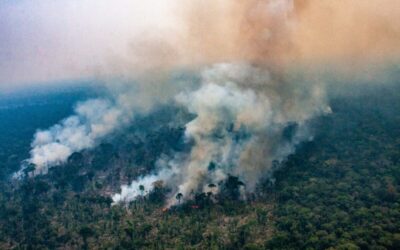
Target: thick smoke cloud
{"x": 292, "y": 31}
{"x": 69, "y": 39}
{"x": 277, "y": 33}
{"x": 95, "y": 119}
{"x": 92, "y": 120}
{"x": 241, "y": 115}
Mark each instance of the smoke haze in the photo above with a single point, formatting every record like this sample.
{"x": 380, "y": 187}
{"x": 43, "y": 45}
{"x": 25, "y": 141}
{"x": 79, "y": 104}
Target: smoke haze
{"x": 243, "y": 53}
{"x": 274, "y": 32}
{"x": 54, "y": 40}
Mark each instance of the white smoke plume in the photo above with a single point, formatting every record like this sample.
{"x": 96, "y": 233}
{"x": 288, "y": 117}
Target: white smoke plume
{"x": 93, "y": 119}
{"x": 241, "y": 114}
{"x": 132, "y": 192}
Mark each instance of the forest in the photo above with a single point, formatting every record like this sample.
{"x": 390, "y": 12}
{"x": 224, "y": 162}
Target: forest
{"x": 339, "y": 191}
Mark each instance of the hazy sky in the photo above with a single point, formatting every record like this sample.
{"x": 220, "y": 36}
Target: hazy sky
{"x": 53, "y": 40}
{"x": 49, "y": 40}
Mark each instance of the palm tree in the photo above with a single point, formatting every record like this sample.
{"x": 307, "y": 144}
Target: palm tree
{"x": 211, "y": 186}
{"x": 141, "y": 188}
{"x": 232, "y": 185}
{"x": 179, "y": 197}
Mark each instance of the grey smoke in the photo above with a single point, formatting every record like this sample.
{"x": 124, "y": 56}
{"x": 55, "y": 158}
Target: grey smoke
{"x": 241, "y": 112}
{"x": 92, "y": 120}
{"x": 95, "y": 119}
{"x": 132, "y": 192}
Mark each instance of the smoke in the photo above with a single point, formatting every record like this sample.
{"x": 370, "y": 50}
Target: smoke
{"x": 347, "y": 30}
{"x": 273, "y": 33}
{"x": 291, "y": 31}
{"x": 95, "y": 119}
{"x": 92, "y": 120}
{"x": 141, "y": 187}
{"x": 242, "y": 113}
{"x": 72, "y": 39}
{"x": 249, "y": 112}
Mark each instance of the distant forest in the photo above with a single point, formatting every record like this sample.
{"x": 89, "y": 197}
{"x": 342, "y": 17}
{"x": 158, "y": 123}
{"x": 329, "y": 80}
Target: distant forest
{"x": 338, "y": 191}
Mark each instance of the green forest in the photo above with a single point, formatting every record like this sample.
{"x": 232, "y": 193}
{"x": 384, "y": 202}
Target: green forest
{"x": 339, "y": 191}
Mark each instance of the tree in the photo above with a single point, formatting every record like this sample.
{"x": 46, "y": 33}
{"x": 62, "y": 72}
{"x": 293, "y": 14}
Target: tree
{"x": 141, "y": 188}
{"x": 29, "y": 169}
{"x": 179, "y": 197}
{"x": 211, "y": 186}
{"x": 232, "y": 185}
{"x": 85, "y": 233}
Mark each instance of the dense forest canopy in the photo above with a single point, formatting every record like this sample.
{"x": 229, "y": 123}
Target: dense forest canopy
{"x": 338, "y": 191}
